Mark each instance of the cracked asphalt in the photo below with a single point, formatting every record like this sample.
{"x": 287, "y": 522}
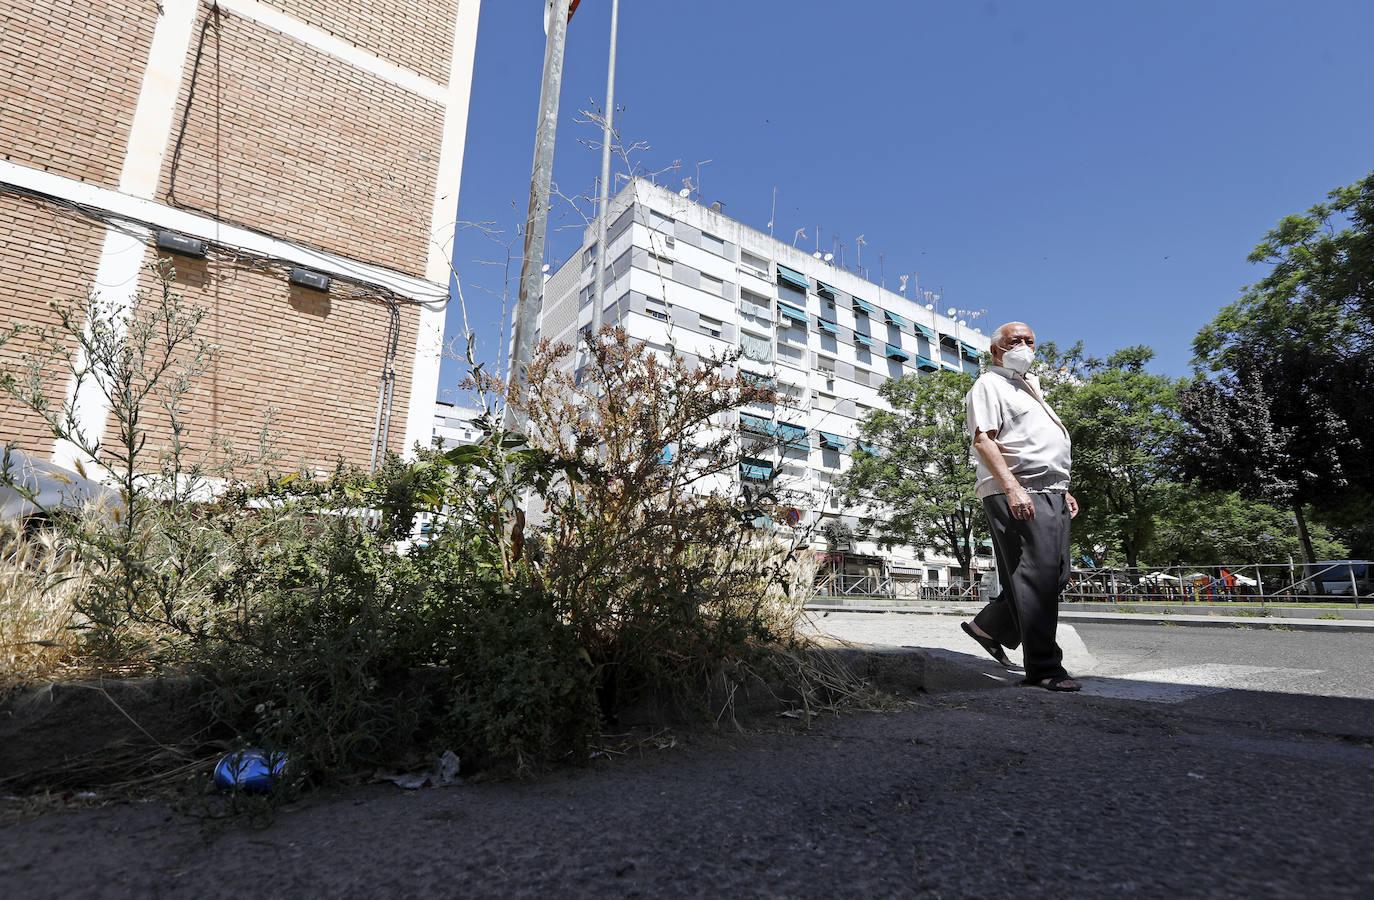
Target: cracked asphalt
{"x": 1007, "y": 791}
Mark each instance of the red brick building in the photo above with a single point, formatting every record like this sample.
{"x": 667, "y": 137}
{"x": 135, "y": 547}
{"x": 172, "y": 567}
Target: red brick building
{"x": 324, "y": 135}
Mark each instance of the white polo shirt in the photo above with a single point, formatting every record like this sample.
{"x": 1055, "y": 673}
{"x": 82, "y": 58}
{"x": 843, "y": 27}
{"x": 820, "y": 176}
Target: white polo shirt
{"x": 1033, "y": 441}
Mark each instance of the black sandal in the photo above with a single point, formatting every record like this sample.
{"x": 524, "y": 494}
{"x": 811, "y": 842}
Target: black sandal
{"x": 1061, "y": 683}
{"x": 994, "y": 649}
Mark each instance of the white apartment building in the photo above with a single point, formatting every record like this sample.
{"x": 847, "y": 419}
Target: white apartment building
{"x": 455, "y": 425}
{"x": 686, "y": 277}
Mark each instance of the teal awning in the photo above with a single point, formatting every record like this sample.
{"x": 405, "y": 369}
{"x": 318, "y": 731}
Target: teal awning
{"x": 827, "y": 326}
{"x": 755, "y": 470}
{"x": 926, "y": 365}
{"x": 793, "y": 435}
{"x": 759, "y": 381}
{"x": 825, "y": 290}
{"x": 791, "y": 312}
{"x": 793, "y": 277}
{"x": 863, "y": 306}
{"x": 970, "y": 351}
{"x": 894, "y": 352}
{"x": 893, "y": 318}
{"x": 868, "y": 448}
{"x": 863, "y": 340}
{"x": 927, "y": 331}
{"x": 756, "y": 424}
{"x": 832, "y": 441}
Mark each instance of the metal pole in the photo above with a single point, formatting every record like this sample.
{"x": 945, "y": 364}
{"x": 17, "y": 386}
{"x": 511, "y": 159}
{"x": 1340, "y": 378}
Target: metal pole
{"x": 537, "y": 219}
{"x": 599, "y": 292}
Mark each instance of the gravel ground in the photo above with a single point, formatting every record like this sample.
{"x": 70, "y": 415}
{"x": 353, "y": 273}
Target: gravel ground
{"x": 1012, "y": 792}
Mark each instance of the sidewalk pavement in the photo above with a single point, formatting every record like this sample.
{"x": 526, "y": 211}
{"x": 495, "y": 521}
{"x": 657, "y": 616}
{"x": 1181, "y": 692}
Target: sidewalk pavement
{"x": 1067, "y": 612}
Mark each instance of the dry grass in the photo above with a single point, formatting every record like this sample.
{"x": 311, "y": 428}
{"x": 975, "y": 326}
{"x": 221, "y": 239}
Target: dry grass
{"x": 38, "y": 581}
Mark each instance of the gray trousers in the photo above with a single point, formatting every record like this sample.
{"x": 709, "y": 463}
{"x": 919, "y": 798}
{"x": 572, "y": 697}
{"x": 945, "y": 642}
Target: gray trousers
{"x": 1033, "y": 566}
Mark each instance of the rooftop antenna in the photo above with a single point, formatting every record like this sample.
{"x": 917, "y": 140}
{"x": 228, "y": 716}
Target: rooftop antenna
{"x": 772, "y": 213}
{"x": 901, "y": 287}
{"x": 882, "y": 276}
{"x": 800, "y": 233}
{"x": 859, "y": 252}
{"x": 700, "y": 163}
{"x": 818, "y": 240}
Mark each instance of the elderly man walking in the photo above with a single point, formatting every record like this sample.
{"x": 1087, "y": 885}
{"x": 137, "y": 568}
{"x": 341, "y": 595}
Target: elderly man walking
{"x": 1022, "y": 452}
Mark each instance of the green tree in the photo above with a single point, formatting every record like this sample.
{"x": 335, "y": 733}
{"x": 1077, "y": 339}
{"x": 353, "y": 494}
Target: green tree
{"x": 1287, "y": 412}
{"x": 1123, "y": 421}
{"x": 1200, "y": 527}
{"x": 921, "y": 476}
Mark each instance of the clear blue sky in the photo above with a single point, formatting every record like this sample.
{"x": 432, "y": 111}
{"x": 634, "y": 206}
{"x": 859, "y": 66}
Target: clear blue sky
{"x": 1099, "y": 169}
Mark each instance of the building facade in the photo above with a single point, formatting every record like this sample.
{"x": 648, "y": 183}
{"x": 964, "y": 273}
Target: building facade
{"x": 455, "y": 425}
{"x": 687, "y": 277}
{"x": 297, "y": 162}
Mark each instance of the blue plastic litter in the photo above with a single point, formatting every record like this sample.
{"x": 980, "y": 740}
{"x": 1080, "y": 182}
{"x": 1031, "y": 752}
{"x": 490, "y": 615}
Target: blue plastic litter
{"x": 253, "y": 771}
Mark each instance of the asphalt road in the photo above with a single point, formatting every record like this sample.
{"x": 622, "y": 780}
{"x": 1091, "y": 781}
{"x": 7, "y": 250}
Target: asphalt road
{"x": 1221, "y": 789}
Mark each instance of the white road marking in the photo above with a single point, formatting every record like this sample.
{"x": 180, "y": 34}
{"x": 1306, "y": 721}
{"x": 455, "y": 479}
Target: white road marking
{"x": 1180, "y": 683}
{"x": 1169, "y": 685}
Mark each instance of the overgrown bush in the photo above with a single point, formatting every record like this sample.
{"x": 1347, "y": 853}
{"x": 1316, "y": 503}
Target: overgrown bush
{"x": 599, "y": 557}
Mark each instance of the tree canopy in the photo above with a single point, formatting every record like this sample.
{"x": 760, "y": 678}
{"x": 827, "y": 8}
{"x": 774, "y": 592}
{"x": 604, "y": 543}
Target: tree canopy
{"x": 1283, "y": 409}
{"x": 921, "y": 475}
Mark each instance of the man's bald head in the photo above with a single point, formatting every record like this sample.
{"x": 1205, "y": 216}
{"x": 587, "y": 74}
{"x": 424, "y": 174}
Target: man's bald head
{"x": 1009, "y": 335}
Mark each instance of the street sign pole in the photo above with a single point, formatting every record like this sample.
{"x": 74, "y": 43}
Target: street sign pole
{"x": 531, "y": 297}
{"x": 602, "y": 256}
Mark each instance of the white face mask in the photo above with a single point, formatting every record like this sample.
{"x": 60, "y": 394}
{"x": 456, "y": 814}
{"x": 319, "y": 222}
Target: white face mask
{"x": 1019, "y": 360}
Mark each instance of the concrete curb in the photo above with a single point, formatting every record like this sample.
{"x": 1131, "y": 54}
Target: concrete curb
{"x": 1100, "y": 618}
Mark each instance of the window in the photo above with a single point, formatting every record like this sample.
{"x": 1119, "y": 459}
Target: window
{"x": 713, "y": 285}
{"x": 710, "y": 326}
{"x": 656, "y": 308}
{"x": 712, "y": 243}
{"x": 589, "y": 257}
{"x": 659, "y": 222}
{"x": 825, "y": 364}
{"x": 754, "y": 264}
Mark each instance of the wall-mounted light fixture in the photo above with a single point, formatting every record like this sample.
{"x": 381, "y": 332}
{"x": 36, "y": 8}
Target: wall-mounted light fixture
{"x": 180, "y": 244}
{"x": 306, "y": 278}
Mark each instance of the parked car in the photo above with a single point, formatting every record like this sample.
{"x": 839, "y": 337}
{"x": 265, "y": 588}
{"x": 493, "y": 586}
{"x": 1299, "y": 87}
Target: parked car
{"x": 30, "y": 487}
{"x": 1344, "y": 577}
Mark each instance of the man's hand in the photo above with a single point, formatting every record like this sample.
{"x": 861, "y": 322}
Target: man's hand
{"x": 1073, "y": 505}
{"x": 1022, "y": 507}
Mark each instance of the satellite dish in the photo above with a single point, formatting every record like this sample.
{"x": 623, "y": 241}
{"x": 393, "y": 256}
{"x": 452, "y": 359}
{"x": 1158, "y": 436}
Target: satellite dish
{"x": 963, "y": 321}
{"x": 951, "y": 312}
{"x": 545, "y": 268}
{"x": 930, "y": 306}
{"x": 829, "y": 257}
{"x": 685, "y": 192}
{"x": 817, "y": 254}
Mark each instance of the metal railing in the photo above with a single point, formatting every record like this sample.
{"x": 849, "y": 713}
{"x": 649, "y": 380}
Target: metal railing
{"x": 841, "y": 585}
{"x": 1331, "y": 583}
